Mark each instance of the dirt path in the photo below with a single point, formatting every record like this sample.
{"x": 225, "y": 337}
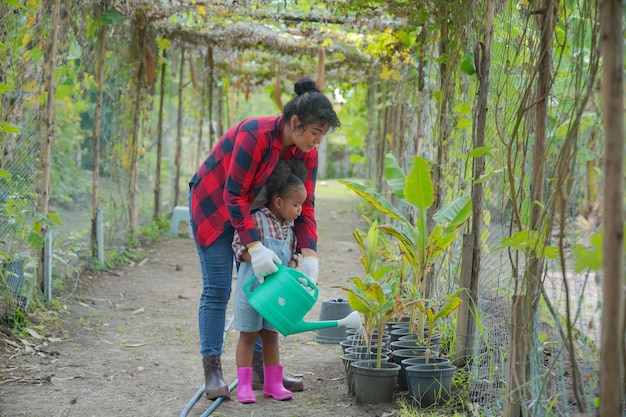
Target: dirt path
{"x": 127, "y": 344}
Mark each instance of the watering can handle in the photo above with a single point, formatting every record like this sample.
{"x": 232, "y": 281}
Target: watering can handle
{"x": 298, "y": 276}
{"x": 308, "y": 283}
{"x": 292, "y": 271}
{"x": 247, "y": 284}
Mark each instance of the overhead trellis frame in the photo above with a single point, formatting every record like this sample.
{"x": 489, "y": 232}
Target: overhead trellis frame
{"x": 343, "y": 61}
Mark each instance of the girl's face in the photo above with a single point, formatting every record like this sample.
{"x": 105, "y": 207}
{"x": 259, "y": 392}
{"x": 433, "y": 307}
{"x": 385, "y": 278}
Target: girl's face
{"x": 307, "y": 139}
{"x": 289, "y": 207}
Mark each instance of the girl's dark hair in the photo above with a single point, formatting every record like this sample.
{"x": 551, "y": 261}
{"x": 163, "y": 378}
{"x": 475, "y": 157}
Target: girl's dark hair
{"x": 310, "y": 105}
{"x": 289, "y": 173}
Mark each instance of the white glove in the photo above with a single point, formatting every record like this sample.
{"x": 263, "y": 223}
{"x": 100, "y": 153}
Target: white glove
{"x": 309, "y": 267}
{"x": 263, "y": 261}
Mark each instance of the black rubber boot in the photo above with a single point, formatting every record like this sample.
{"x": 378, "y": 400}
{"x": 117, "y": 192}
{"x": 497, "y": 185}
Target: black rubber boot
{"x": 214, "y": 384}
{"x": 258, "y": 377}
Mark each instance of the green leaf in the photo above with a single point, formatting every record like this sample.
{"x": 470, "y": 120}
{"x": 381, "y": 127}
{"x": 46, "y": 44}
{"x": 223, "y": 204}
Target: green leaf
{"x": 455, "y": 213}
{"x": 480, "y": 151}
{"x": 372, "y": 245}
{"x": 449, "y": 308}
{"x": 5, "y": 174}
{"x": 35, "y": 240}
{"x": 112, "y": 16}
{"x": 589, "y": 259}
{"x": 418, "y": 187}
{"x": 163, "y": 43}
{"x": 467, "y": 65}
{"x": 377, "y": 294}
{"x": 430, "y": 315}
{"x": 8, "y": 128}
{"x": 357, "y": 303}
{"x": 4, "y": 88}
{"x": 55, "y": 218}
{"x": 14, "y": 3}
{"x": 62, "y": 91}
{"x": 395, "y": 175}
{"x": 379, "y": 202}
{"x": 551, "y": 252}
{"x": 463, "y": 108}
{"x": 521, "y": 240}
{"x": 464, "y": 123}
{"x": 357, "y": 159}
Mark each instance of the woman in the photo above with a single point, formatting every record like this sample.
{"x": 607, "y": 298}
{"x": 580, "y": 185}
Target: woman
{"x": 224, "y": 190}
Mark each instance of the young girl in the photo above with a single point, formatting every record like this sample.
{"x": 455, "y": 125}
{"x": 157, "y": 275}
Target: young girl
{"x": 274, "y": 223}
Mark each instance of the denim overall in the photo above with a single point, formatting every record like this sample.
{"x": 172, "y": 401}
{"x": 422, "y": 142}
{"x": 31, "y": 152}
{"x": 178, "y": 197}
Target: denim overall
{"x": 246, "y": 318}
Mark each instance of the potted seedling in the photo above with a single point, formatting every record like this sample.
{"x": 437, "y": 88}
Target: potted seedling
{"x": 373, "y": 295}
{"x": 421, "y": 240}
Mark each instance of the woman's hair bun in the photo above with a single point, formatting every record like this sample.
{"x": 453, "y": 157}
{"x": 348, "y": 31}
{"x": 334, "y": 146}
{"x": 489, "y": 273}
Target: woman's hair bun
{"x": 305, "y": 85}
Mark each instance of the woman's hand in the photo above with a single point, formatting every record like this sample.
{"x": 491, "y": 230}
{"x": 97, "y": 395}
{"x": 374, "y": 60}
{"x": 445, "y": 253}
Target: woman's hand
{"x": 310, "y": 268}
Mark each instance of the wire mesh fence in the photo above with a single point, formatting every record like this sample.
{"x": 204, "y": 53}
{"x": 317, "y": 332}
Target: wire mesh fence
{"x": 24, "y": 39}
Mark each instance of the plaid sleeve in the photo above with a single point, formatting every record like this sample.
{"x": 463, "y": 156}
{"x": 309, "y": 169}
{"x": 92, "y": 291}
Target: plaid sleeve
{"x": 252, "y": 161}
{"x": 240, "y": 248}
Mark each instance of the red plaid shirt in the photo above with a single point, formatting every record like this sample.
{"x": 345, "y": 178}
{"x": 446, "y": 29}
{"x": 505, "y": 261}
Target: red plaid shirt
{"x": 227, "y": 182}
{"x": 274, "y": 227}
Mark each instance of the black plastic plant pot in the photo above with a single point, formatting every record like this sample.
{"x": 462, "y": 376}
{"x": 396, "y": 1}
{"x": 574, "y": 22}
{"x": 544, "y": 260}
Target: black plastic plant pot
{"x": 348, "y": 358}
{"x": 374, "y": 385}
{"x": 430, "y": 384}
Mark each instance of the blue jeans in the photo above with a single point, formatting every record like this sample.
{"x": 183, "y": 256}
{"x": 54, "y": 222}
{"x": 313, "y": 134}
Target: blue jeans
{"x": 216, "y": 263}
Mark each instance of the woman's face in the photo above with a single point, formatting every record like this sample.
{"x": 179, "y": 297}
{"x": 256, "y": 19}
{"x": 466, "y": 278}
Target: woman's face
{"x": 307, "y": 138}
{"x": 290, "y": 207}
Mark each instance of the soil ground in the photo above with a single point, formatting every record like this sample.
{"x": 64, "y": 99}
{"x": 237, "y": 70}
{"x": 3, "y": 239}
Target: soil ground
{"x": 127, "y": 340}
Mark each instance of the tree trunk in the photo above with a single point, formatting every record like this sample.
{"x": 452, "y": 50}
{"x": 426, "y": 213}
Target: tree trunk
{"x": 158, "y": 192}
{"x": 482, "y": 72}
{"x": 133, "y": 204}
{"x": 179, "y": 124}
{"x": 203, "y": 93}
{"x": 47, "y": 148}
{"x": 533, "y": 270}
{"x": 95, "y": 181}
{"x": 372, "y": 128}
{"x": 421, "y": 96}
{"x": 220, "y": 112}
{"x": 211, "y": 83}
{"x": 612, "y": 341}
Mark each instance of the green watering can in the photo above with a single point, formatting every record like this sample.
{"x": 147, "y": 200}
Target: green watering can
{"x": 285, "y": 297}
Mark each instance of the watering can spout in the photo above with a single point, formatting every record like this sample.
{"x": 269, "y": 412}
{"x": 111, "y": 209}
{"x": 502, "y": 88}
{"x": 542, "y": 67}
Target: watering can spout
{"x": 352, "y": 320}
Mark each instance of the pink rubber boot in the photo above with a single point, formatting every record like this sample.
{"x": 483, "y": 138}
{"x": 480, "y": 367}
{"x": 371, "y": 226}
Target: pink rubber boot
{"x": 245, "y": 394}
{"x": 273, "y": 384}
